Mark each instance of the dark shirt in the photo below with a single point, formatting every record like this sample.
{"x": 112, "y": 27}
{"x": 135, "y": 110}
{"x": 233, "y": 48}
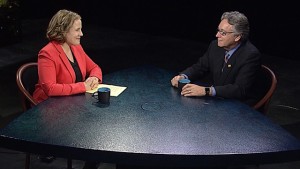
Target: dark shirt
{"x": 76, "y": 70}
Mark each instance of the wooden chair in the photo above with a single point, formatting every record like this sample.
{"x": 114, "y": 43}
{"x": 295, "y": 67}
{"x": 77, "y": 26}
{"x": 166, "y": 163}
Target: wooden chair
{"x": 26, "y": 78}
{"x": 270, "y": 82}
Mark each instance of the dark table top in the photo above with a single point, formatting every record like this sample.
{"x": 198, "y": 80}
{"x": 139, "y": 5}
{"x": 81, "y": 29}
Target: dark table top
{"x": 150, "y": 124}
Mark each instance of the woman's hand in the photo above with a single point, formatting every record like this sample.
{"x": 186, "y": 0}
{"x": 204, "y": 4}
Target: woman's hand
{"x": 91, "y": 83}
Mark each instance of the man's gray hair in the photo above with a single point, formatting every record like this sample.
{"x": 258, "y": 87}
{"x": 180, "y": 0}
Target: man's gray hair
{"x": 240, "y": 23}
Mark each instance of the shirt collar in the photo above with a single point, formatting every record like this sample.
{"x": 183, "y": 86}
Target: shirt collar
{"x": 230, "y": 52}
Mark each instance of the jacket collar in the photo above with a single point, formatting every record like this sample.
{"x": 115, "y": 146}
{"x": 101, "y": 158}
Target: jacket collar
{"x": 65, "y": 59}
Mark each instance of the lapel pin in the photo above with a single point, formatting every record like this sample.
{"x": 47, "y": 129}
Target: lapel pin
{"x": 229, "y": 66}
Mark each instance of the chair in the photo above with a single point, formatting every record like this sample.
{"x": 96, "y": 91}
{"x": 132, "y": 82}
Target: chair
{"x": 269, "y": 86}
{"x": 26, "y": 78}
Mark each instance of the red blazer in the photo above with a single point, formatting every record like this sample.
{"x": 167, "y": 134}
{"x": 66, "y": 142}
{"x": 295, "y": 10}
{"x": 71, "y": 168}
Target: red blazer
{"x": 56, "y": 75}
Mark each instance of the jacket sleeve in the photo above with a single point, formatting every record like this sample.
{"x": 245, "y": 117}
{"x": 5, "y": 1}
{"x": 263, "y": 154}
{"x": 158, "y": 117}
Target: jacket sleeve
{"x": 200, "y": 68}
{"x": 92, "y": 69}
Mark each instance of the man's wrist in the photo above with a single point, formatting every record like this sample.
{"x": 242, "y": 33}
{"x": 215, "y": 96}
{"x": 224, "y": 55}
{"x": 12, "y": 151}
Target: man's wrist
{"x": 184, "y": 76}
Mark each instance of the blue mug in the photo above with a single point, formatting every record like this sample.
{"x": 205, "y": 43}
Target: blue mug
{"x": 103, "y": 95}
{"x": 182, "y": 82}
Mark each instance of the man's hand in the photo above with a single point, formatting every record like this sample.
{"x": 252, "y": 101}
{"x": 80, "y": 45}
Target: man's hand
{"x": 193, "y": 90}
{"x": 175, "y": 80}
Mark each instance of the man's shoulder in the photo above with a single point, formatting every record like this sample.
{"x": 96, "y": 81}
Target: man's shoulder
{"x": 214, "y": 48}
{"x": 214, "y": 42}
{"x": 248, "y": 45}
{"x": 248, "y": 51}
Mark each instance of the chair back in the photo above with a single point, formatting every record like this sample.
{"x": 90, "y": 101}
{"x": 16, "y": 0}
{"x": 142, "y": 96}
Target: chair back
{"x": 27, "y": 77}
{"x": 269, "y": 83}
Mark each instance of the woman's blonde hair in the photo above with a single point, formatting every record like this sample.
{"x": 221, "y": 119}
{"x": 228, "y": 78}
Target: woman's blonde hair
{"x": 60, "y": 24}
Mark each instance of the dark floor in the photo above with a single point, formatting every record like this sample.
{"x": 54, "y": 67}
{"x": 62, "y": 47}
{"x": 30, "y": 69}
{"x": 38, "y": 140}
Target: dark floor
{"x": 115, "y": 49}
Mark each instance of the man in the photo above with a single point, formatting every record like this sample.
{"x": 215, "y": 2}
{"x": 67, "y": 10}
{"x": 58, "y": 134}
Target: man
{"x": 232, "y": 60}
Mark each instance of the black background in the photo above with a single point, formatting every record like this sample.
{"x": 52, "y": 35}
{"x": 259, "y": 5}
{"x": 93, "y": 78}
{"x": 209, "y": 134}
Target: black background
{"x": 274, "y": 26}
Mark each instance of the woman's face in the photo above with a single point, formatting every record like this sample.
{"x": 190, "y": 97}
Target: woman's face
{"x": 74, "y": 34}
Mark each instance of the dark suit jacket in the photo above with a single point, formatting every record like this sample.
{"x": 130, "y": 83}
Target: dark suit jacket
{"x": 239, "y": 74}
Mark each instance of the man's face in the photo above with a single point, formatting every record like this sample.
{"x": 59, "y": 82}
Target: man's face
{"x": 227, "y": 38}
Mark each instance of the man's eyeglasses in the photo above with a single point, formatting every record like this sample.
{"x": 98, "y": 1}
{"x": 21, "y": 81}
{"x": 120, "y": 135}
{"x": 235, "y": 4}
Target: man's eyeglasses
{"x": 223, "y": 33}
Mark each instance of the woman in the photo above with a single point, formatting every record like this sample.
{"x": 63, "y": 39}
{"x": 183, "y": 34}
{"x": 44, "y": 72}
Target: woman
{"x": 63, "y": 66}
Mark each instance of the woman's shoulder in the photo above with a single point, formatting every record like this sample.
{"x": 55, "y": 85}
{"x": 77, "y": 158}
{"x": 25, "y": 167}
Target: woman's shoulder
{"x": 51, "y": 50}
{"x": 51, "y": 47}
